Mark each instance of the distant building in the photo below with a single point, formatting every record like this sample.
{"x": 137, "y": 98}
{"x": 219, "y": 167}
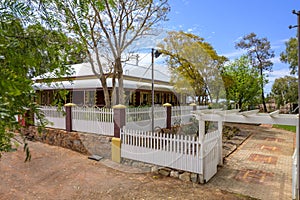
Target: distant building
{"x": 85, "y": 89}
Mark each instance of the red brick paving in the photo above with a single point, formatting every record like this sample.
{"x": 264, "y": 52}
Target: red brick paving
{"x": 263, "y": 158}
{"x": 253, "y": 176}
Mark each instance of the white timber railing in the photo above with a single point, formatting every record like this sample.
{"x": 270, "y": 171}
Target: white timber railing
{"x": 93, "y": 120}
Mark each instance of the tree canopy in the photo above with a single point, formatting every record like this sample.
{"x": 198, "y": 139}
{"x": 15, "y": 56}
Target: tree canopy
{"x": 260, "y": 54}
{"x": 194, "y": 65}
{"x": 27, "y": 49}
{"x": 107, "y": 29}
{"x": 242, "y": 82}
{"x": 285, "y": 90}
{"x": 290, "y": 55}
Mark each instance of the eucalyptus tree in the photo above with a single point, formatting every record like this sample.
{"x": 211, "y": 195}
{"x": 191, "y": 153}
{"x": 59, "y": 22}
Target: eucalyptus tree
{"x": 285, "y": 90}
{"x": 107, "y": 29}
{"x": 290, "y": 55}
{"x": 260, "y": 54}
{"x": 194, "y": 64}
{"x": 242, "y": 82}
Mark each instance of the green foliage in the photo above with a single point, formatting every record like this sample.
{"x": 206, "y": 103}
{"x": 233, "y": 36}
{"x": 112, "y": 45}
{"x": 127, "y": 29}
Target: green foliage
{"x": 290, "y": 55}
{"x": 242, "y": 82}
{"x": 107, "y": 28}
{"x": 194, "y": 65}
{"x": 27, "y": 49}
{"x": 260, "y": 55}
{"x": 285, "y": 90}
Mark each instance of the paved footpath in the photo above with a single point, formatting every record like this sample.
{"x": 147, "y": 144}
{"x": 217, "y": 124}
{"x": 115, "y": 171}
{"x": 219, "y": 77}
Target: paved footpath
{"x": 261, "y": 167}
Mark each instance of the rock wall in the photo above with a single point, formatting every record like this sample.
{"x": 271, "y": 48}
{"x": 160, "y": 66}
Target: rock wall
{"x": 165, "y": 171}
{"x": 86, "y": 143}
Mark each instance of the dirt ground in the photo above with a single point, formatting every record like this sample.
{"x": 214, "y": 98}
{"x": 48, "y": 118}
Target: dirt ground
{"x": 58, "y": 173}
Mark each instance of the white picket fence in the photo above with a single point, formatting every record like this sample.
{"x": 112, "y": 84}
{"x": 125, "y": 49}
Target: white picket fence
{"x": 140, "y": 118}
{"x": 84, "y": 119}
{"x": 55, "y": 117}
{"x": 93, "y": 120}
{"x": 182, "y": 152}
{"x": 100, "y": 120}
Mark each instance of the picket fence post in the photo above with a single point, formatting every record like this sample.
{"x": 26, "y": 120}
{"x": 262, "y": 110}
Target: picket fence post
{"x": 169, "y": 114}
{"x": 68, "y": 107}
{"x": 119, "y": 119}
{"x": 194, "y": 106}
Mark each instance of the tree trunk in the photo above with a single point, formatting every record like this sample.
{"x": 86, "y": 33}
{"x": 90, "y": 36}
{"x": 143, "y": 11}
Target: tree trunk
{"x": 262, "y": 90}
{"x": 113, "y": 97}
{"x": 119, "y": 69}
{"x": 105, "y": 92}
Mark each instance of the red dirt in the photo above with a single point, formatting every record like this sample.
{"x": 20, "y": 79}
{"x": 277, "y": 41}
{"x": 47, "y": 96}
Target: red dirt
{"x": 58, "y": 173}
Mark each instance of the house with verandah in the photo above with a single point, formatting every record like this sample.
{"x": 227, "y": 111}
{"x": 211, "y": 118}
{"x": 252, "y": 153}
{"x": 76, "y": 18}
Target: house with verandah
{"x": 85, "y": 89}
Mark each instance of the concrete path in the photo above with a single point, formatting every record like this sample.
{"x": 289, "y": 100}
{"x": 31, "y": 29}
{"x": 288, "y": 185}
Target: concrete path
{"x": 261, "y": 167}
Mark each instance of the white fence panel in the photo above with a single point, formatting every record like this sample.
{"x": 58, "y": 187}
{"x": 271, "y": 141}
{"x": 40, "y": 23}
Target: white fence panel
{"x": 175, "y": 151}
{"x": 140, "y": 118}
{"x": 93, "y": 120}
{"x": 294, "y": 176}
{"x": 55, "y": 117}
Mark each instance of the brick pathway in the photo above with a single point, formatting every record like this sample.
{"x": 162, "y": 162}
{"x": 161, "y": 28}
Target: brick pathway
{"x": 261, "y": 167}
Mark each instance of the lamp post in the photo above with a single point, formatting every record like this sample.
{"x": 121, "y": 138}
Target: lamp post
{"x": 298, "y": 132}
{"x": 156, "y": 54}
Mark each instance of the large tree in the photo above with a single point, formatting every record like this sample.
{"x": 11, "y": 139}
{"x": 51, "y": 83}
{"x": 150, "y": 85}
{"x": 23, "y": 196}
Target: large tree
{"x": 242, "y": 82}
{"x": 285, "y": 90}
{"x": 27, "y": 49}
{"x": 290, "y": 55}
{"x": 107, "y": 29}
{"x": 194, "y": 64}
{"x": 260, "y": 54}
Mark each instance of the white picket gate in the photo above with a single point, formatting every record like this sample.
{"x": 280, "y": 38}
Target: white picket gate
{"x": 93, "y": 120}
{"x": 182, "y": 152}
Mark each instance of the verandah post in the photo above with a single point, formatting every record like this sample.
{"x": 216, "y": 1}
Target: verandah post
{"x": 169, "y": 115}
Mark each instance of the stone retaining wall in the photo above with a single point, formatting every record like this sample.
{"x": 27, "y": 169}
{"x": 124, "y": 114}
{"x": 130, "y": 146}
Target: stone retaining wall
{"x": 86, "y": 143}
{"x": 165, "y": 171}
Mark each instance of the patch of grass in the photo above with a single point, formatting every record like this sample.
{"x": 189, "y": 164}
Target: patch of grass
{"x": 285, "y": 127}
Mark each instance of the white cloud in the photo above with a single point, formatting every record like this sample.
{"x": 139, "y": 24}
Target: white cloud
{"x": 275, "y": 74}
{"x": 234, "y": 54}
{"x": 276, "y": 60}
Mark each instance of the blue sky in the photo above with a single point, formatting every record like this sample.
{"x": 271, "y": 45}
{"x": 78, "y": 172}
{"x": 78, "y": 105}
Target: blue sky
{"x": 223, "y": 23}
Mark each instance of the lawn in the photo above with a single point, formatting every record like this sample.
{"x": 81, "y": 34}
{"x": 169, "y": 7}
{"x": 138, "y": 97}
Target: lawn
{"x": 285, "y": 127}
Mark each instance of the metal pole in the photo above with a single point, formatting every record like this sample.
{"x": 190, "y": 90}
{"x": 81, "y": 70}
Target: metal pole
{"x": 298, "y": 134}
{"x": 152, "y": 90}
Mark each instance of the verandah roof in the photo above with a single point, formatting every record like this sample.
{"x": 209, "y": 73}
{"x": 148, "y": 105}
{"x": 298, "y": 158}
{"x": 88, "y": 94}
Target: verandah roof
{"x": 95, "y": 83}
